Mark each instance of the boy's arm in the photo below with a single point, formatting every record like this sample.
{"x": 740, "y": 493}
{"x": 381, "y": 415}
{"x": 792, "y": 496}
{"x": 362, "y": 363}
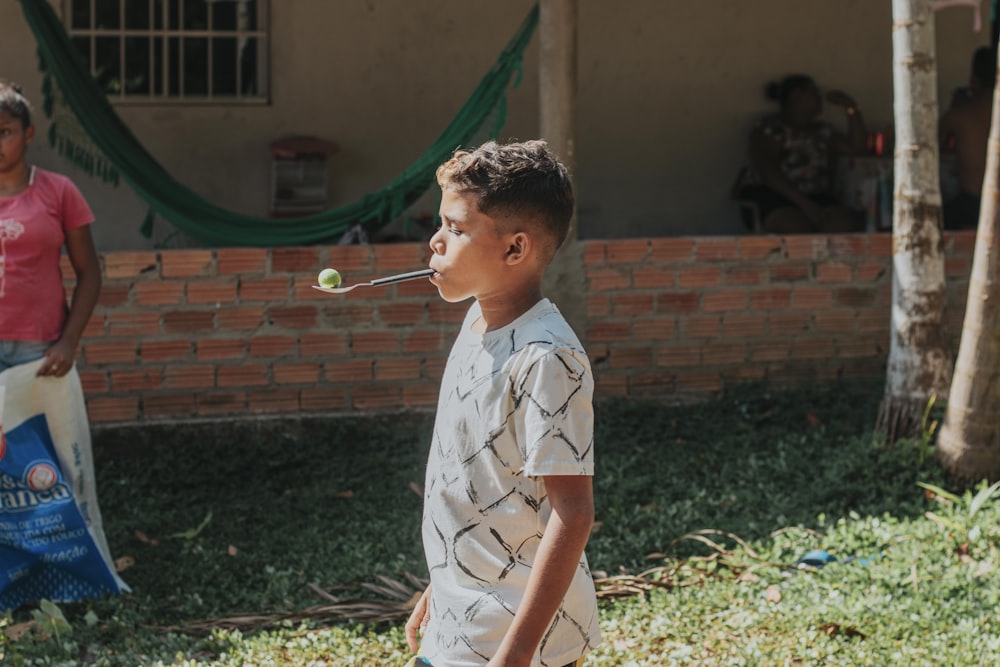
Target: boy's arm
{"x": 558, "y": 557}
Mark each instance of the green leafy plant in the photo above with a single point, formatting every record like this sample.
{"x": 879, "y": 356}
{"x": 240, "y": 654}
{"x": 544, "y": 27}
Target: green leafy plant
{"x": 959, "y": 515}
{"x": 192, "y": 533}
{"x": 50, "y": 619}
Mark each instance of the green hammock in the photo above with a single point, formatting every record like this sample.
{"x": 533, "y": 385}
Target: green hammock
{"x": 213, "y": 225}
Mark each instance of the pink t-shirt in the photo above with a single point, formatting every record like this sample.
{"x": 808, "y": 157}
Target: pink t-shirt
{"x": 33, "y": 227}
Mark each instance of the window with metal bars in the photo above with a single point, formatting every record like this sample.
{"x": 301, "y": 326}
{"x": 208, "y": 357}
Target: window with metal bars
{"x": 174, "y": 50}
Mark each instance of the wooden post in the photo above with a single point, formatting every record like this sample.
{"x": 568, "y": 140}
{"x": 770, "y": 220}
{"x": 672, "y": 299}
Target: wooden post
{"x": 557, "y": 28}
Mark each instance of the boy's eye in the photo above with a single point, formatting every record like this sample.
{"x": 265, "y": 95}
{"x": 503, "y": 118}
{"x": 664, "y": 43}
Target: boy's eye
{"x": 454, "y": 230}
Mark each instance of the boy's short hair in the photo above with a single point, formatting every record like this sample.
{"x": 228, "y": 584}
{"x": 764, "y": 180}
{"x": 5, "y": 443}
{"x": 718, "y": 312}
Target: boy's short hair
{"x": 13, "y": 102}
{"x": 524, "y": 181}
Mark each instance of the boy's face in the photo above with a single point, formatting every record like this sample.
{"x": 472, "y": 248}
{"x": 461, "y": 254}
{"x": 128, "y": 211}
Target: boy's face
{"x": 469, "y": 254}
{"x": 14, "y": 140}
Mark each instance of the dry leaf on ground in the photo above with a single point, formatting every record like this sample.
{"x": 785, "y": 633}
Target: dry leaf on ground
{"x": 124, "y": 563}
{"x": 18, "y": 630}
{"x": 145, "y": 539}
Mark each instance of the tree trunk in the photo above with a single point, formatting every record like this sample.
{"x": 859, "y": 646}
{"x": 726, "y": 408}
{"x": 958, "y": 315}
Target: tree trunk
{"x": 969, "y": 443}
{"x": 919, "y": 366}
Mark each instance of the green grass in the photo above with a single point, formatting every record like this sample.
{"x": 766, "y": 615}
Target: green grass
{"x": 284, "y": 504}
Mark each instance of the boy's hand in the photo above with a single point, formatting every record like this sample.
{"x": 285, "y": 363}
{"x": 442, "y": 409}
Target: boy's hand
{"x": 419, "y": 619}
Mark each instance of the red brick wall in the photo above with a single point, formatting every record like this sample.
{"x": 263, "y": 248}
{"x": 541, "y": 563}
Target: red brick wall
{"x": 681, "y": 316}
{"x": 183, "y": 334}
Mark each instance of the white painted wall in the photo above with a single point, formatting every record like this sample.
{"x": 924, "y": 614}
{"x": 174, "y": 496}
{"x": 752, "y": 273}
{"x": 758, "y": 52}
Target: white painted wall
{"x": 667, "y": 93}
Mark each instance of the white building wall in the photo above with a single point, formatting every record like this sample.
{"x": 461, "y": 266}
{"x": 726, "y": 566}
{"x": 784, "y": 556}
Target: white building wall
{"x": 667, "y": 93}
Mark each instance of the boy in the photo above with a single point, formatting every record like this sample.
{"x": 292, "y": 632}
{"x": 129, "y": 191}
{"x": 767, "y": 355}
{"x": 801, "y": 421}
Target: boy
{"x": 508, "y": 504}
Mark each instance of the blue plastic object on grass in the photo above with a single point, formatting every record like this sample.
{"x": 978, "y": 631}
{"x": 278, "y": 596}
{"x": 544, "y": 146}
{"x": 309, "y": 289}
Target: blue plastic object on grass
{"x": 816, "y": 558}
{"x": 820, "y": 557}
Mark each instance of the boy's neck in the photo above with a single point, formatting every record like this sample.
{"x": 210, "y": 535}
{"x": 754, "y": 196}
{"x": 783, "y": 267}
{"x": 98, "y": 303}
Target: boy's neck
{"x": 500, "y": 310}
{"x": 15, "y": 181}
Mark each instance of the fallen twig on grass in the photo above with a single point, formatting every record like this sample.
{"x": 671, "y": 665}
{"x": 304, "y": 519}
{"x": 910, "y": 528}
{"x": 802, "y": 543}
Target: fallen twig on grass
{"x": 398, "y": 598}
{"x": 402, "y": 599}
{"x": 692, "y": 571}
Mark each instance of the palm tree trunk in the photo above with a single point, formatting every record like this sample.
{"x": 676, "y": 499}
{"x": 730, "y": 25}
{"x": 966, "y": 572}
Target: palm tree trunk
{"x": 919, "y": 365}
{"x": 969, "y": 443}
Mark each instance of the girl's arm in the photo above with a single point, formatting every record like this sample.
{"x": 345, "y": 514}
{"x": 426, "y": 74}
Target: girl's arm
{"x": 83, "y": 257}
{"x": 557, "y": 560}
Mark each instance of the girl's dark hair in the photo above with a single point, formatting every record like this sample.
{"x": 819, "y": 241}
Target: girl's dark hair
{"x": 780, "y": 91}
{"x": 13, "y": 102}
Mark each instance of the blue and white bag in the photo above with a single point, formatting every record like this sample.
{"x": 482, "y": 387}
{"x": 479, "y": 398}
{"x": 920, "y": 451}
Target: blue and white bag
{"x": 52, "y": 543}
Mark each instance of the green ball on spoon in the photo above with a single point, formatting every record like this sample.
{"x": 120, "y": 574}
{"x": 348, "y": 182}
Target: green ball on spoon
{"x": 329, "y": 278}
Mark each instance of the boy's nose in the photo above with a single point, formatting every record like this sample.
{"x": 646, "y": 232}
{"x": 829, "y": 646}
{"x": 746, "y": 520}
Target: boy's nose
{"x": 435, "y": 243}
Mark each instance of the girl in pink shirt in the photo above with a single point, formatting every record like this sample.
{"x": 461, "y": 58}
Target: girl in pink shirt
{"x": 40, "y": 212}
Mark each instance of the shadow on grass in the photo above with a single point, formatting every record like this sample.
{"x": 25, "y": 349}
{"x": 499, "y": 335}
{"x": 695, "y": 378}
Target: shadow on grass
{"x": 332, "y": 501}
{"x": 749, "y": 463}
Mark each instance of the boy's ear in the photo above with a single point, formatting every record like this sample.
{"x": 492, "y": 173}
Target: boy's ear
{"x": 519, "y": 248}
{"x": 29, "y": 133}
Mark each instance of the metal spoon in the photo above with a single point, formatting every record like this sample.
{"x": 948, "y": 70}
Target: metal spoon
{"x": 378, "y": 282}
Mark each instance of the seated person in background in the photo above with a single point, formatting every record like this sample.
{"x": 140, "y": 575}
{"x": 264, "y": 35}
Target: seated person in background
{"x": 966, "y": 126}
{"x": 791, "y": 160}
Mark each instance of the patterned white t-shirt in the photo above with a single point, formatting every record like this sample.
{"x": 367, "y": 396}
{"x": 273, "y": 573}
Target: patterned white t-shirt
{"x": 516, "y": 404}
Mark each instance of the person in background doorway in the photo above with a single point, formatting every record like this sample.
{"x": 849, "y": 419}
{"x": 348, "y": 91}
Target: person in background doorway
{"x": 965, "y": 129}
{"x": 792, "y": 152}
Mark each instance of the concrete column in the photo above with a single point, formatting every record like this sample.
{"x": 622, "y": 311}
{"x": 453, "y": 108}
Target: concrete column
{"x": 557, "y": 78}
{"x": 557, "y": 58}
